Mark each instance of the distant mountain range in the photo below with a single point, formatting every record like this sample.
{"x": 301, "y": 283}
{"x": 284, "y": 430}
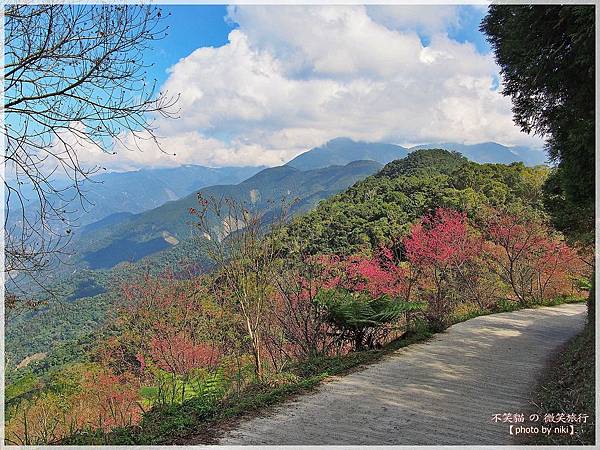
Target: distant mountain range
{"x": 129, "y": 237}
{"x": 344, "y": 150}
{"x": 341, "y": 151}
{"x": 140, "y": 228}
{"x": 128, "y": 193}
{"x": 137, "y": 191}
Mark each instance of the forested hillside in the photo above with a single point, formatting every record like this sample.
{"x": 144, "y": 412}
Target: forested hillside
{"x": 371, "y": 212}
{"x": 428, "y": 240}
{"x": 376, "y": 210}
{"x": 109, "y": 253}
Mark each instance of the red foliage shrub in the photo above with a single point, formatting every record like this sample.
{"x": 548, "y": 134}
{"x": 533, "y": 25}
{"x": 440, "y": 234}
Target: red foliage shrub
{"x": 167, "y": 318}
{"x": 441, "y": 240}
{"x": 107, "y": 401}
{"x": 439, "y": 247}
{"x": 297, "y": 326}
{"x": 38, "y": 421}
{"x": 378, "y": 275}
{"x": 535, "y": 262}
{"x": 180, "y": 355}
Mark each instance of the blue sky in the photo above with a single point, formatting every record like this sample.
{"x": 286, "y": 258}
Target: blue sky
{"x": 261, "y": 84}
{"x": 470, "y": 17}
{"x": 190, "y": 27}
{"x": 195, "y": 26}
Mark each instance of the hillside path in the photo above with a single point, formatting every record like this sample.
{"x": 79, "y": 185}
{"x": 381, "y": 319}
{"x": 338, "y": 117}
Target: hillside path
{"x": 443, "y": 391}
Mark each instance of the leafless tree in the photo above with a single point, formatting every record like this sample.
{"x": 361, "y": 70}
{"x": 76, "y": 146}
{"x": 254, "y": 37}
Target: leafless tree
{"x": 74, "y": 78}
{"x": 241, "y": 244}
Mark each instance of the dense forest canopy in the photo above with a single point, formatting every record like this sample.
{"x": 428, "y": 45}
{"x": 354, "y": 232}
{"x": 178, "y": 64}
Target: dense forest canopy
{"x": 547, "y": 60}
{"x": 381, "y": 207}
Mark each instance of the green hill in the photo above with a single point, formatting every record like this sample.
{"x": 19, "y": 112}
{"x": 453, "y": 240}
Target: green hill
{"x": 492, "y": 152}
{"x": 386, "y": 204}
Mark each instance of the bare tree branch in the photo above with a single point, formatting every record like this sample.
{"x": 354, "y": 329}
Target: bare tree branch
{"x": 74, "y": 78}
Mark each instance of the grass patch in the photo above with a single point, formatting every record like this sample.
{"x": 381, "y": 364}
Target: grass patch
{"x": 568, "y": 386}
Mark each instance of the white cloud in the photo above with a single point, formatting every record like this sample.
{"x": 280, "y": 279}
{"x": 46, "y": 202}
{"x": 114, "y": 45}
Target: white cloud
{"x": 422, "y": 18}
{"x": 293, "y": 77}
{"x": 327, "y": 40}
{"x": 185, "y": 147}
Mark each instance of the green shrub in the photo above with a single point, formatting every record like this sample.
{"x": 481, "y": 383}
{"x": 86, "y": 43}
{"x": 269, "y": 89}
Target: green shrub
{"x": 360, "y": 318}
{"x": 505, "y": 305}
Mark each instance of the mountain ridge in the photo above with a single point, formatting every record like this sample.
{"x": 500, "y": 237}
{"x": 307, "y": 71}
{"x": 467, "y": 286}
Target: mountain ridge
{"x": 134, "y": 191}
{"x": 343, "y": 150}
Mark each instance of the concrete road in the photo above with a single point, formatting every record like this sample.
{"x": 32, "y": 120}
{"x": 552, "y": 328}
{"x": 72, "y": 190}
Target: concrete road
{"x": 444, "y": 391}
